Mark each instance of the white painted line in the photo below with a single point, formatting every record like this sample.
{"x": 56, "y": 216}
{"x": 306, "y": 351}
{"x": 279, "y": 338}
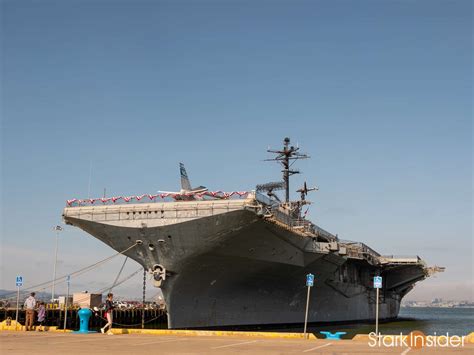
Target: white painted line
{"x": 159, "y": 342}
{"x": 236, "y": 344}
{"x": 406, "y": 351}
{"x": 317, "y": 347}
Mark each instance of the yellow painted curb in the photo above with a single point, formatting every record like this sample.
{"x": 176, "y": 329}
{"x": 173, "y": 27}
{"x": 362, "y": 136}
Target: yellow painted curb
{"x": 19, "y": 327}
{"x": 273, "y": 335}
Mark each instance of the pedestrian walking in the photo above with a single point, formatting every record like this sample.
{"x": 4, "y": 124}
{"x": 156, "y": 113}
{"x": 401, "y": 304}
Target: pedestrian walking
{"x": 109, "y": 307}
{"x": 30, "y": 305}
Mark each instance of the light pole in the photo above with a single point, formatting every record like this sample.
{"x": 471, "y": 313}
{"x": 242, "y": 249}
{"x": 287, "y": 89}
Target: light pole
{"x": 65, "y": 302}
{"x": 57, "y": 229}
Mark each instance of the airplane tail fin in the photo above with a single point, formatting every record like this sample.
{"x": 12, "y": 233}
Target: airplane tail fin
{"x": 185, "y": 184}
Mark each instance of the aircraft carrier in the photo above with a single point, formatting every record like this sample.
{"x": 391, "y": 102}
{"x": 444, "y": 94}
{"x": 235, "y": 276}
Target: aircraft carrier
{"x": 240, "y": 258}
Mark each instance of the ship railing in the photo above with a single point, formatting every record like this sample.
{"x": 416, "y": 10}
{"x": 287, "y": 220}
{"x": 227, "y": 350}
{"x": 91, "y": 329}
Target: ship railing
{"x": 360, "y": 251}
{"x": 160, "y": 197}
{"x": 314, "y": 229}
{"x": 324, "y": 233}
{"x": 282, "y": 217}
{"x": 303, "y": 224}
{"x": 300, "y": 224}
{"x": 289, "y": 221}
{"x": 401, "y": 259}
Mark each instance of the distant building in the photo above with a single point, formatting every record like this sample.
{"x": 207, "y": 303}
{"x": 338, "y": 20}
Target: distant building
{"x": 87, "y": 300}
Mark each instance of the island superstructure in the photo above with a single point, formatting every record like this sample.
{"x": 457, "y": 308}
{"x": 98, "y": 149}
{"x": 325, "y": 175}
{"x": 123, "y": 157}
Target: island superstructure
{"x": 240, "y": 258}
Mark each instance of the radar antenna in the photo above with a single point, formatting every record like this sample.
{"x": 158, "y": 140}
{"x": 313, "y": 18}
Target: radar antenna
{"x": 283, "y": 157}
{"x": 304, "y": 191}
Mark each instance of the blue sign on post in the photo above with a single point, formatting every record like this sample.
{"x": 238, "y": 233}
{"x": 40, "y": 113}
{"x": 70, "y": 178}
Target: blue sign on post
{"x": 377, "y": 281}
{"x": 310, "y": 280}
{"x": 19, "y": 281}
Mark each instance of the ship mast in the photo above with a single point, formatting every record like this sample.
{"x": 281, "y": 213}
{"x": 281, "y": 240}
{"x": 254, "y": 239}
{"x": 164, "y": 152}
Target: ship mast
{"x": 285, "y": 158}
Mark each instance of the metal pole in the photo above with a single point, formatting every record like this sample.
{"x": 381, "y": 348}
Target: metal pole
{"x": 17, "y": 305}
{"x": 65, "y": 303}
{"x": 143, "y": 300}
{"x": 57, "y": 228}
{"x": 286, "y": 170}
{"x": 306, "y": 314}
{"x": 377, "y": 312}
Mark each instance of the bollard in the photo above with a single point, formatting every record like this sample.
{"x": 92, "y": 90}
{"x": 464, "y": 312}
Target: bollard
{"x": 84, "y": 316}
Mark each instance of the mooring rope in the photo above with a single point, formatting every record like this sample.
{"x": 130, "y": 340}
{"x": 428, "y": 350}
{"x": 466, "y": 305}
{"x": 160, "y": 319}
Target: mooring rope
{"x": 108, "y": 287}
{"x": 63, "y": 278}
{"x": 118, "y": 275}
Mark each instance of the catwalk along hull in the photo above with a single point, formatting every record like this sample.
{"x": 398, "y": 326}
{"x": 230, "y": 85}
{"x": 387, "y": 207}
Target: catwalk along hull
{"x": 226, "y": 263}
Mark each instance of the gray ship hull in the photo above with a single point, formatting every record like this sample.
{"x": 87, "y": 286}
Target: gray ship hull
{"x": 229, "y": 266}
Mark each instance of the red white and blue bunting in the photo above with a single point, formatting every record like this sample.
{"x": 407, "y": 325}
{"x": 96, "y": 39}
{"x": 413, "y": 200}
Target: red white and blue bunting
{"x": 153, "y": 198}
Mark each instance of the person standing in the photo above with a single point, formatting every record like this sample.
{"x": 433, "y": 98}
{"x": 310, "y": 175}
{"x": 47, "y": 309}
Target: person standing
{"x": 109, "y": 307}
{"x": 30, "y": 305}
{"x": 41, "y": 315}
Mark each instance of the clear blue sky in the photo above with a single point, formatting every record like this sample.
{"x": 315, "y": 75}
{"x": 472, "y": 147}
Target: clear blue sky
{"x": 378, "y": 92}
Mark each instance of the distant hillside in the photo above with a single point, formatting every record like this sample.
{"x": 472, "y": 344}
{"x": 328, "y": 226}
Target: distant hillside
{"x": 11, "y": 294}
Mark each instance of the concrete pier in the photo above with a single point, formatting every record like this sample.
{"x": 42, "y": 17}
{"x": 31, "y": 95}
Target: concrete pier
{"x": 70, "y": 343}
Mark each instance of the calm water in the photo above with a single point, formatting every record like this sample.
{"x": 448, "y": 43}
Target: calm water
{"x": 456, "y": 321}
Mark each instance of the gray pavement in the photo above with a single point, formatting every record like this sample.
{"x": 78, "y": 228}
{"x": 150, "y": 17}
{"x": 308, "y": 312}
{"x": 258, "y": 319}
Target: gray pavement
{"x": 68, "y": 343}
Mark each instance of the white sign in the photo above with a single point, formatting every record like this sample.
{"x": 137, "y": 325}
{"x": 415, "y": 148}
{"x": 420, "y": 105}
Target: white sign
{"x": 19, "y": 281}
{"x": 377, "y": 281}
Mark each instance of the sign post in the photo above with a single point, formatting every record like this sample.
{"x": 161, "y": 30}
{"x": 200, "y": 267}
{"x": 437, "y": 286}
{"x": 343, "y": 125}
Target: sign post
{"x": 65, "y": 301}
{"x": 19, "y": 283}
{"x": 377, "y": 286}
{"x": 309, "y": 284}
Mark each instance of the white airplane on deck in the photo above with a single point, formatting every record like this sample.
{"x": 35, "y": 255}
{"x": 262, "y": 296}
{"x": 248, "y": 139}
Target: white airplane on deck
{"x": 187, "y": 192}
